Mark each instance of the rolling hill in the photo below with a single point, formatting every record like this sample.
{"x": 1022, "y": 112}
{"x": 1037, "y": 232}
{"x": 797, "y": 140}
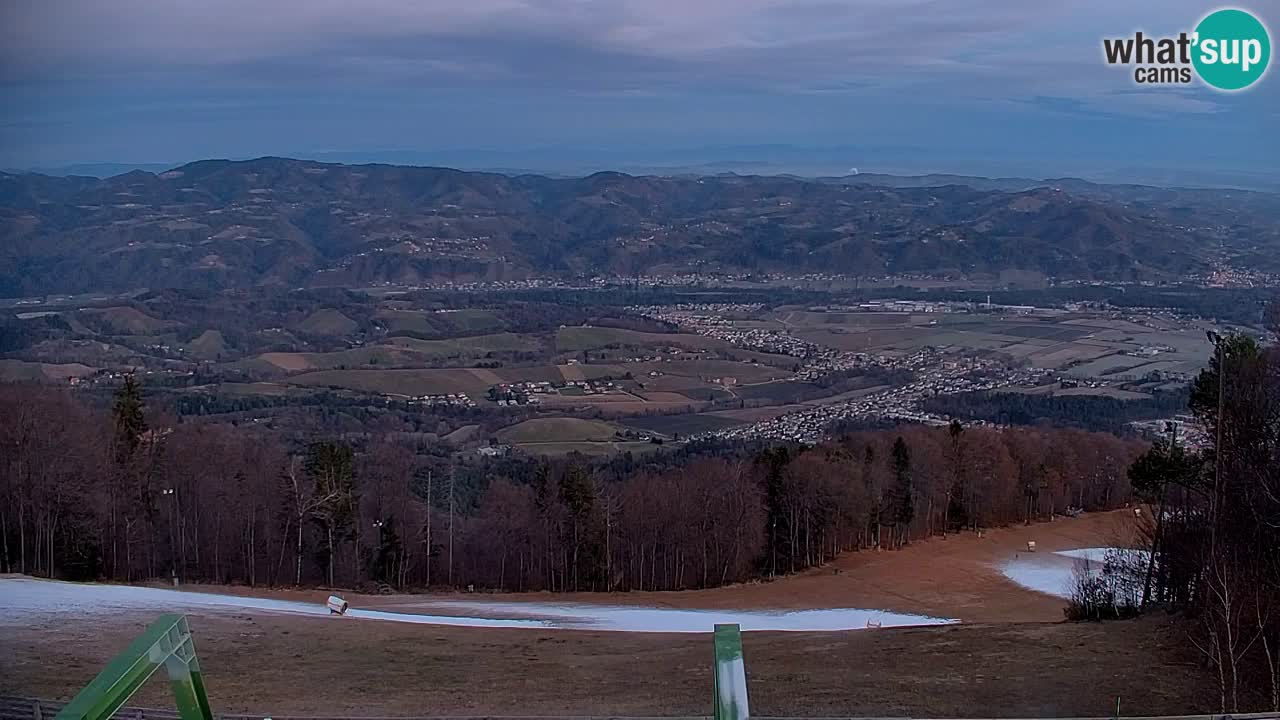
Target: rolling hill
{"x": 219, "y": 224}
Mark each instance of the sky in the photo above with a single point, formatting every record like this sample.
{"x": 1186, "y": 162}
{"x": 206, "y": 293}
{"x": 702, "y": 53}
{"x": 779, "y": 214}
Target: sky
{"x": 986, "y": 87}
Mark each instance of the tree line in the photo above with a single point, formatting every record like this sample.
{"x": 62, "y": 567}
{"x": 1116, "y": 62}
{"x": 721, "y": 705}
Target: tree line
{"x": 1088, "y": 412}
{"x": 130, "y": 493}
{"x": 1214, "y": 533}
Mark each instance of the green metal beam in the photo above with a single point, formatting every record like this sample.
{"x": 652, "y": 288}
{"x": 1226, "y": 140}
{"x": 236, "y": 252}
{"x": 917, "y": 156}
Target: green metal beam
{"x": 167, "y": 642}
{"x": 730, "y": 675}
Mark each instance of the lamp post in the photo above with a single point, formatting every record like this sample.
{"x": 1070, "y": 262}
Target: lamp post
{"x": 173, "y": 542}
{"x": 773, "y": 532}
{"x": 1218, "y": 452}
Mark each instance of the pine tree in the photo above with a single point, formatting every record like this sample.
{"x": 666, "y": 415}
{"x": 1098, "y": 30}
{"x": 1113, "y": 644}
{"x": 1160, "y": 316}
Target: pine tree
{"x": 904, "y": 509}
{"x": 577, "y": 492}
{"x": 955, "y": 510}
{"x": 130, "y": 418}
{"x": 775, "y": 461}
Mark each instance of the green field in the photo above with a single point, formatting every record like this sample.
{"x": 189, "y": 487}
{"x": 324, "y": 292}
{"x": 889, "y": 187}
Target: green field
{"x": 427, "y": 381}
{"x": 557, "y": 430}
{"x": 124, "y": 321}
{"x": 354, "y": 358}
{"x": 422, "y": 323}
{"x": 415, "y": 322}
{"x": 575, "y": 339}
{"x": 1084, "y": 346}
{"x": 706, "y": 369}
{"x": 591, "y": 449}
{"x": 403, "y": 352}
{"x": 24, "y": 370}
{"x": 781, "y": 392}
{"x": 706, "y": 394}
{"x": 250, "y": 389}
{"x": 440, "y": 381}
{"x": 210, "y": 345}
{"x": 477, "y": 345}
{"x": 683, "y": 425}
{"x": 327, "y": 322}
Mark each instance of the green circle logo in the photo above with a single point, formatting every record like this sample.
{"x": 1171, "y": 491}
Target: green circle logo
{"x": 1232, "y": 49}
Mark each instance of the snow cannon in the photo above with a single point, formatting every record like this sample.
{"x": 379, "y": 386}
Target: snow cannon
{"x": 336, "y": 605}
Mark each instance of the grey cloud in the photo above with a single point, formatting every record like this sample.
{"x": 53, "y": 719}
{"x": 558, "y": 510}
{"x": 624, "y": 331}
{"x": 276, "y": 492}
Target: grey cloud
{"x": 586, "y": 42}
{"x": 643, "y": 67}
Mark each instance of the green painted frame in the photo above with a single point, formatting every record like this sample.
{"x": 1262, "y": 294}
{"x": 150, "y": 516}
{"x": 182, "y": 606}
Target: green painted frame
{"x": 167, "y": 642}
{"x": 730, "y": 675}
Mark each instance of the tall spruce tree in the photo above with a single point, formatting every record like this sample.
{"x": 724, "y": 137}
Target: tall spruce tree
{"x": 904, "y": 508}
{"x": 129, "y": 415}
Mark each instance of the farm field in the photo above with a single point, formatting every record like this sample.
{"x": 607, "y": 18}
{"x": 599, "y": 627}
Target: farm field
{"x": 620, "y": 405}
{"x": 436, "y": 323}
{"x": 1081, "y": 346}
{"x": 575, "y": 339}
{"x": 496, "y": 342}
{"x": 557, "y": 430}
{"x": 785, "y": 391}
{"x": 395, "y": 349}
{"x": 402, "y": 352}
{"x": 399, "y": 382}
{"x": 24, "y": 370}
{"x": 753, "y": 414}
{"x": 327, "y": 322}
{"x": 688, "y": 424}
{"x": 209, "y": 345}
{"x": 590, "y": 449}
{"x": 700, "y": 369}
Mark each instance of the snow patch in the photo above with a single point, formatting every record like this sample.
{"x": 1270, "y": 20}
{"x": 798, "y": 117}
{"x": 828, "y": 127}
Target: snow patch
{"x": 27, "y": 600}
{"x": 1054, "y": 573}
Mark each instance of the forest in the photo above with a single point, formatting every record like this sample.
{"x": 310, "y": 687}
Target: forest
{"x": 1215, "y": 530}
{"x": 132, "y": 493}
{"x": 1087, "y": 412}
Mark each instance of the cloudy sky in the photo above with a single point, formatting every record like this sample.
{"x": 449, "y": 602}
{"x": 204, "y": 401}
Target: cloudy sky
{"x": 951, "y": 85}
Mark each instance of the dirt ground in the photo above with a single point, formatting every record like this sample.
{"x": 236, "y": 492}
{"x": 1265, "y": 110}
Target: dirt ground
{"x": 300, "y": 665}
{"x": 1012, "y": 657}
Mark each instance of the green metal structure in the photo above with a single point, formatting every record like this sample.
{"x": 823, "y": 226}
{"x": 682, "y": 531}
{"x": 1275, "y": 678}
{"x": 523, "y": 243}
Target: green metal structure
{"x": 167, "y": 642}
{"x": 730, "y": 675}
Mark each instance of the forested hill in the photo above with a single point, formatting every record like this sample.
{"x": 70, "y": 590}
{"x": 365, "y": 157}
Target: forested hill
{"x": 218, "y": 224}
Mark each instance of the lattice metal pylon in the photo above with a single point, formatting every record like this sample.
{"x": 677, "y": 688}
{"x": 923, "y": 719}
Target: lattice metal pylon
{"x": 167, "y": 642}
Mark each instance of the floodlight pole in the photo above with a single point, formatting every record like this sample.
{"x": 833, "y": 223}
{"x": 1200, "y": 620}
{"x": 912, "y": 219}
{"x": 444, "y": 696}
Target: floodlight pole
{"x": 1218, "y": 450}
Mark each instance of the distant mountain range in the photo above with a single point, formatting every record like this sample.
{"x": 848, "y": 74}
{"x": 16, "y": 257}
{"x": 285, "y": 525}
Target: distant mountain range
{"x": 97, "y": 170}
{"x": 905, "y": 163}
{"x": 274, "y": 221}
